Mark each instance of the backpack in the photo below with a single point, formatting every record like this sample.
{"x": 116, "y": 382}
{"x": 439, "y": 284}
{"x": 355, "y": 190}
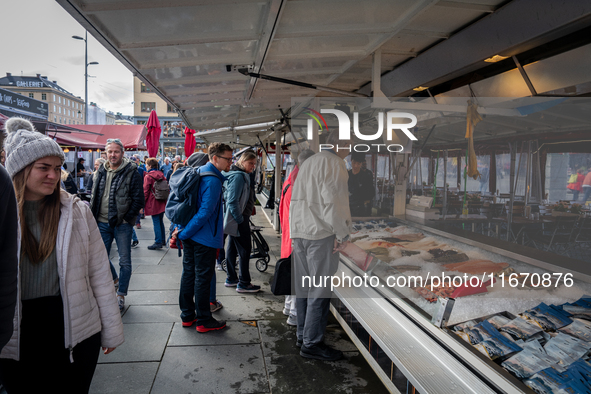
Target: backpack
{"x": 161, "y": 189}
{"x": 282, "y": 279}
{"x": 184, "y": 194}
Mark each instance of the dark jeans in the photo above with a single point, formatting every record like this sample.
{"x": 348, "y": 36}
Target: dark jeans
{"x": 159, "y": 232}
{"x": 44, "y": 361}
{"x": 122, "y": 235}
{"x": 198, "y": 269}
{"x": 241, "y": 246}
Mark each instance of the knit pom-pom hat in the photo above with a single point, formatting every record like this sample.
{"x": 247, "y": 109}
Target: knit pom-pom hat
{"x": 25, "y": 145}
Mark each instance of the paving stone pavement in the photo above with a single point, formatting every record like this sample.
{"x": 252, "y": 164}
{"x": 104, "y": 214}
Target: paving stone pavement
{"x": 160, "y": 356}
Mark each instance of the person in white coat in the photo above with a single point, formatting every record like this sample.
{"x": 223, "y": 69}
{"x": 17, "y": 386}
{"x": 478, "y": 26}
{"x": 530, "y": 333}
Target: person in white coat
{"x": 66, "y": 308}
{"x": 319, "y": 225}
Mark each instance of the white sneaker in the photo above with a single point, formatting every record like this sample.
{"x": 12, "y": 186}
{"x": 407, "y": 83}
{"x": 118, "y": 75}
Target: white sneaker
{"x": 218, "y": 266}
{"x": 286, "y": 311}
{"x": 292, "y": 320}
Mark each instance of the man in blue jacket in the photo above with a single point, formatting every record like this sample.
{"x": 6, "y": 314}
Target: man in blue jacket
{"x": 201, "y": 237}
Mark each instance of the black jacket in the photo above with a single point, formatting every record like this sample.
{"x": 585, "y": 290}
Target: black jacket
{"x": 9, "y": 260}
{"x": 126, "y": 196}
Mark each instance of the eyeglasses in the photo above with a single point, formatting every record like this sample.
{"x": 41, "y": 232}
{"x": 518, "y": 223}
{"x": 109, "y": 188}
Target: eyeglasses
{"x": 115, "y": 140}
{"x": 225, "y": 158}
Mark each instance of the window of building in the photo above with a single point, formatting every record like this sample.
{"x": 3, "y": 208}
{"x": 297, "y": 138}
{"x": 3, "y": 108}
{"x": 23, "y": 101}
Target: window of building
{"x": 31, "y": 95}
{"x": 44, "y": 96}
{"x": 59, "y": 110}
{"x": 54, "y": 97}
{"x": 59, "y": 99}
{"x": 169, "y": 108}
{"x": 147, "y": 107}
{"x": 144, "y": 88}
{"x": 69, "y": 103}
{"x": 54, "y": 108}
{"x": 54, "y": 118}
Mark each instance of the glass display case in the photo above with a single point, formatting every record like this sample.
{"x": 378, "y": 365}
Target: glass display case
{"x": 452, "y": 286}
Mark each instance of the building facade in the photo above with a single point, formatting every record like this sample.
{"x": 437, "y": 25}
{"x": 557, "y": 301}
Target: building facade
{"x": 63, "y": 106}
{"x": 172, "y": 139}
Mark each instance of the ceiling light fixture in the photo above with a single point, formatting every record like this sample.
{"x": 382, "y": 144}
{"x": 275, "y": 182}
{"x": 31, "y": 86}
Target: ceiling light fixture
{"x": 495, "y": 58}
{"x": 420, "y": 88}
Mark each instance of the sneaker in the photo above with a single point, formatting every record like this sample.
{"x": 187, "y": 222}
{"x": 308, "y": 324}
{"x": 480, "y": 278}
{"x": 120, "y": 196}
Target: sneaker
{"x": 121, "y": 302}
{"x": 134, "y": 244}
{"x": 138, "y": 226}
{"x": 155, "y": 246}
{"x": 189, "y": 323}
{"x": 299, "y": 343}
{"x": 248, "y": 289}
{"x": 292, "y": 320}
{"x": 218, "y": 266}
{"x": 321, "y": 352}
{"x": 215, "y": 306}
{"x": 230, "y": 284}
{"x": 211, "y": 325}
{"x": 286, "y": 311}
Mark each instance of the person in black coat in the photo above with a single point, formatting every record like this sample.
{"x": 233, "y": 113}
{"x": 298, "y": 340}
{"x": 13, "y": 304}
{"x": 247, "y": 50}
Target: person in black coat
{"x": 361, "y": 188}
{"x": 9, "y": 248}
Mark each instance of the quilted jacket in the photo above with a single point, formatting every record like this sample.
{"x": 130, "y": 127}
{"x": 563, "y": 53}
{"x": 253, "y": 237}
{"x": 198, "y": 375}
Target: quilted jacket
{"x": 86, "y": 284}
{"x": 126, "y": 195}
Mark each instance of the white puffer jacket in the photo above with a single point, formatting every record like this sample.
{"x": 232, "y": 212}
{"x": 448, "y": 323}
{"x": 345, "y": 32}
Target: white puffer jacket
{"x": 86, "y": 284}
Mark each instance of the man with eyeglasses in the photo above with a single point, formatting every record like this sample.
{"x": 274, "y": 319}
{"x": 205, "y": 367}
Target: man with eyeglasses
{"x": 201, "y": 238}
{"x": 116, "y": 200}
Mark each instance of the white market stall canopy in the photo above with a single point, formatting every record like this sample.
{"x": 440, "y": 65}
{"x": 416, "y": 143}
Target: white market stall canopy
{"x": 183, "y": 49}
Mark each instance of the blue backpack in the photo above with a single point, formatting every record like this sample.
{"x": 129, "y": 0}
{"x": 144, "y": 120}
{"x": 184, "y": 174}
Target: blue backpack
{"x": 183, "y": 201}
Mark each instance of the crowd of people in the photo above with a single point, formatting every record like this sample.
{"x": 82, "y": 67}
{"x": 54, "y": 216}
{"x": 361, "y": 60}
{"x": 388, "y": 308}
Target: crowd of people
{"x": 57, "y": 271}
{"x": 578, "y": 182}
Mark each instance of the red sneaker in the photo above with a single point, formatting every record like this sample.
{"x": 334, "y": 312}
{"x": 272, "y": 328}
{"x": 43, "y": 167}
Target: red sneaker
{"x": 189, "y": 323}
{"x": 211, "y": 325}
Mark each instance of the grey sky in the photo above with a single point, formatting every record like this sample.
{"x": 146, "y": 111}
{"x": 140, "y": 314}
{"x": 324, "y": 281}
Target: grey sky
{"x": 37, "y": 40}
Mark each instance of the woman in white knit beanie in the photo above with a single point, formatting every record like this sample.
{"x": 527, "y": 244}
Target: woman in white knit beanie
{"x": 66, "y": 307}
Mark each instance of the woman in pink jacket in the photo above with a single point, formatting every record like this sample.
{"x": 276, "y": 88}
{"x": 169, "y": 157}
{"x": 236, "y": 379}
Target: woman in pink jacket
{"x": 154, "y": 207}
{"x": 286, "y": 249}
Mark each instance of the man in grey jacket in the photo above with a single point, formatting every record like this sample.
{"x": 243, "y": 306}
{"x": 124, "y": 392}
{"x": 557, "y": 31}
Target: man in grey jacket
{"x": 320, "y": 224}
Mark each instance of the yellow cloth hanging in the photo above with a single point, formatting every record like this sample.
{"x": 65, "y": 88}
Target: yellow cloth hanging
{"x": 472, "y": 118}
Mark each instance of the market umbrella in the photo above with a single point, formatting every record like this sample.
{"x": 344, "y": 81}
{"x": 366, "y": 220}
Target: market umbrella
{"x": 3, "y": 119}
{"x": 190, "y": 142}
{"x": 153, "y": 135}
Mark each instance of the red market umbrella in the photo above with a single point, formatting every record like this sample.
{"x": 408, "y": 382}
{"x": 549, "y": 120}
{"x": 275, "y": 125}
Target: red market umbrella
{"x": 190, "y": 142}
{"x": 153, "y": 135}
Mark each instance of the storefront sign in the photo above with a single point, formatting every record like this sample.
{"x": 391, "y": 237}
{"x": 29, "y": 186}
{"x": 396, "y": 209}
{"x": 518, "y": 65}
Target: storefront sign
{"x": 22, "y": 103}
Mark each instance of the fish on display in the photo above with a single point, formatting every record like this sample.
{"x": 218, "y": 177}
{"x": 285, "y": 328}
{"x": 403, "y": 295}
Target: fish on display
{"x": 546, "y": 381}
{"x": 579, "y": 329}
{"x": 577, "y": 311}
{"x": 496, "y": 347}
{"x": 519, "y": 328}
{"x": 524, "y": 364}
{"x": 476, "y": 267}
{"x": 498, "y": 320}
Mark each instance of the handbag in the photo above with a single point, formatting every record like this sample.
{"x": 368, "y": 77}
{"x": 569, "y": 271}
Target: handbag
{"x": 281, "y": 283}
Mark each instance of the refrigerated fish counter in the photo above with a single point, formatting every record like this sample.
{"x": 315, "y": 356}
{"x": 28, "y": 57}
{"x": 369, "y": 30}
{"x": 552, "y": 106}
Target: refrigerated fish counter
{"x": 440, "y": 310}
